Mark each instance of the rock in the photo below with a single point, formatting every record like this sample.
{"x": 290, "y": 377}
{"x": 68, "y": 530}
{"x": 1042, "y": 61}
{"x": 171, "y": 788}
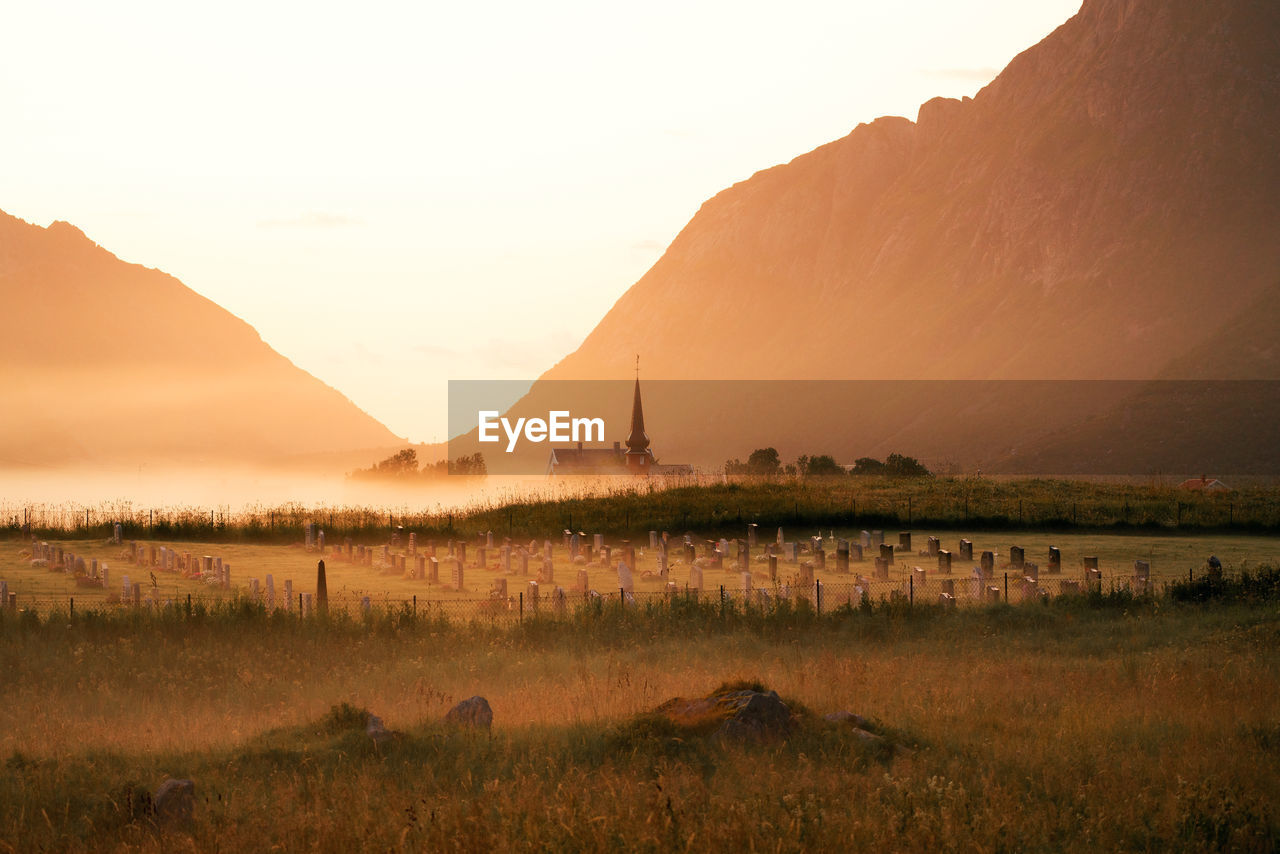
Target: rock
{"x": 174, "y": 802}
{"x": 375, "y": 729}
{"x": 738, "y": 714}
{"x": 846, "y": 717}
{"x": 473, "y": 712}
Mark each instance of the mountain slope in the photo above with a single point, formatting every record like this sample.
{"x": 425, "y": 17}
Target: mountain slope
{"x": 109, "y": 362}
{"x": 1107, "y": 208}
{"x": 1104, "y": 205}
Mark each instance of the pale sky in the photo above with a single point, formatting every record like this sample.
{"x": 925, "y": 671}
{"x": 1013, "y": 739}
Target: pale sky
{"x": 400, "y": 194}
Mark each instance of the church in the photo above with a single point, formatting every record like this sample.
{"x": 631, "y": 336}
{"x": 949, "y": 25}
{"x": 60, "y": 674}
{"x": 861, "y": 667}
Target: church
{"x": 636, "y": 459}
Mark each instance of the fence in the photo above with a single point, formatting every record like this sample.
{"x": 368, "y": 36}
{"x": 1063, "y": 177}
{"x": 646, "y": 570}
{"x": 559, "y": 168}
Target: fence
{"x": 820, "y": 598}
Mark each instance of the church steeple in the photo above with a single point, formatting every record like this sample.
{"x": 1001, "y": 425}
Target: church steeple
{"x": 638, "y": 455}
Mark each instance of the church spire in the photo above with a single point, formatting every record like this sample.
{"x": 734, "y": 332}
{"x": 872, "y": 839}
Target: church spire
{"x": 637, "y": 441}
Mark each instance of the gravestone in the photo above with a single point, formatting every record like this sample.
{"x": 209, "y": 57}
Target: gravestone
{"x": 546, "y": 549}
{"x": 558, "y": 601}
{"x": 320, "y": 541}
{"x": 506, "y": 560}
{"x": 115, "y": 533}
{"x": 947, "y": 586}
{"x": 624, "y": 578}
{"x": 1094, "y": 578}
{"x": 988, "y": 564}
{"x": 481, "y": 557}
{"x": 966, "y": 550}
{"x": 488, "y": 539}
{"x": 584, "y": 583}
{"x": 886, "y": 553}
{"x": 976, "y": 584}
{"x": 947, "y": 600}
{"x": 322, "y": 588}
{"x": 531, "y": 595}
{"x": 773, "y": 567}
{"x": 751, "y": 534}
{"x": 413, "y": 544}
{"x": 548, "y": 574}
{"x": 1142, "y": 570}
{"x": 653, "y": 539}
{"x": 597, "y": 540}
{"x": 791, "y": 552}
{"x": 918, "y": 576}
{"x": 458, "y": 575}
{"x": 271, "y": 593}
{"x": 1055, "y": 560}
{"x": 524, "y": 562}
{"x": 877, "y": 538}
{"x": 904, "y": 541}
{"x": 745, "y": 581}
{"x": 882, "y": 568}
{"x": 419, "y": 567}
{"x": 1031, "y": 570}
{"x": 308, "y": 605}
{"x": 433, "y": 570}
{"x": 944, "y": 561}
{"x": 695, "y": 577}
{"x": 779, "y": 541}
{"x": 1017, "y": 557}
{"x": 288, "y": 594}
{"x": 573, "y": 546}
{"x": 855, "y": 552}
{"x": 934, "y": 547}
{"x": 865, "y": 539}
{"x": 1090, "y": 562}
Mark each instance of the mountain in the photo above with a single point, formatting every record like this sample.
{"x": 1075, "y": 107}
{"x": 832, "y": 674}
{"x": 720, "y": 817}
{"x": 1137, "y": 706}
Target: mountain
{"x": 1107, "y": 208}
{"x": 112, "y": 363}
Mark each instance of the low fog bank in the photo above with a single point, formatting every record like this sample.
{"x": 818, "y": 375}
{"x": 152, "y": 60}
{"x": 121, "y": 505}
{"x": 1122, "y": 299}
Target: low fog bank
{"x": 235, "y": 488}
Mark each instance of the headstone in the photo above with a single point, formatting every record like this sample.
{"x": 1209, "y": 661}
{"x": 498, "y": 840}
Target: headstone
{"x": 558, "y": 601}
{"x": 584, "y": 583}
{"x": 780, "y": 536}
{"x": 882, "y": 567}
{"x": 653, "y": 539}
{"x": 624, "y": 578}
{"x": 886, "y": 553}
{"x": 488, "y": 539}
{"x": 457, "y": 575}
{"x": 1142, "y": 569}
{"x": 308, "y": 604}
{"x": 773, "y": 567}
{"x": 934, "y": 546}
{"x": 419, "y": 567}
{"x": 271, "y": 593}
{"x": 791, "y": 552}
{"x": 1031, "y": 570}
{"x": 433, "y": 570}
{"x": 115, "y": 533}
{"x": 904, "y": 541}
{"x": 751, "y": 534}
{"x": 597, "y": 540}
{"x": 842, "y": 556}
{"x": 1094, "y": 577}
{"x": 506, "y": 559}
{"x": 944, "y": 561}
{"x": 745, "y": 581}
{"x": 947, "y": 586}
{"x": 524, "y": 562}
{"x": 855, "y": 552}
{"x": 695, "y": 577}
{"x": 865, "y": 539}
{"x": 877, "y": 538}
{"x": 288, "y": 594}
{"x": 1055, "y": 560}
{"x": 413, "y": 544}
{"x": 573, "y": 546}
{"x": 531, "y": 595}
{"x": 546, "y": 549}
{"x": 966, "y": 550}
{"x": 918, "y": 576}
{"x": 322, "y": 588}
{"x": 320, "y": 541}
{"x": 548, "y": 574}
{"x": 988, "y": 563}
{"x": 1090, "y": 562}
{"x": 1017, "y": 557}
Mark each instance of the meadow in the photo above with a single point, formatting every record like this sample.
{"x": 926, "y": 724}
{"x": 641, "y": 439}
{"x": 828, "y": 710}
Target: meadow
{"x": 1101, "y": 723}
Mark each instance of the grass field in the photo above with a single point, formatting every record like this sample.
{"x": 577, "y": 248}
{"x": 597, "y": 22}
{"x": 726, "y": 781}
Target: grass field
{"x": 1148, "y": 726}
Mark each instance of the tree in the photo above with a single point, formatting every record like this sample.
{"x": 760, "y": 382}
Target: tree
{"x": 823, "y": 464}
{"x": 401, "y": 462}
{"x": 897, "y": 465}
{"x": 468, "y": 464}
{"x": 764, "y": 461}
{"x": 867, "y": 466}
{"x": 735, "y": 466}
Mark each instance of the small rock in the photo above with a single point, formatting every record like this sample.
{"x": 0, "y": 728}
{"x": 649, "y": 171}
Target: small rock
{"x": 175, "y": 801}
{"x": 844, "y": 716}
{"x": 375, "y": 729}
{"x": 472, "y": 712}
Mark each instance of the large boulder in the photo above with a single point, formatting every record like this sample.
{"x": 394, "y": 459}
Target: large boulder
{"x": 473, "y": 712}
{"x": 737, "y": 713}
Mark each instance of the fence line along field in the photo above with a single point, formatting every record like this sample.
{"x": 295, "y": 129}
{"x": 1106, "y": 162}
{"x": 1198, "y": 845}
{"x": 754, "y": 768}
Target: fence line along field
{"x": 495, "y": 576}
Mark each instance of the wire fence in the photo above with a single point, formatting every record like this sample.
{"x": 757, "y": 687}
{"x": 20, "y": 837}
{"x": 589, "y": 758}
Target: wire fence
{"x": 540, "y": 602}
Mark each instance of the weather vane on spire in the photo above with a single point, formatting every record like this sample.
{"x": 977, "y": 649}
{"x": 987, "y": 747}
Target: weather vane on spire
{"x": 637, "y": 366}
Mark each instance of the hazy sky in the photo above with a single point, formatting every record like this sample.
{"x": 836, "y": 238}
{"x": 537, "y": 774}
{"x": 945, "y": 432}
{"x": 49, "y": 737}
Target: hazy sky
{"x": 399, "y": 194}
